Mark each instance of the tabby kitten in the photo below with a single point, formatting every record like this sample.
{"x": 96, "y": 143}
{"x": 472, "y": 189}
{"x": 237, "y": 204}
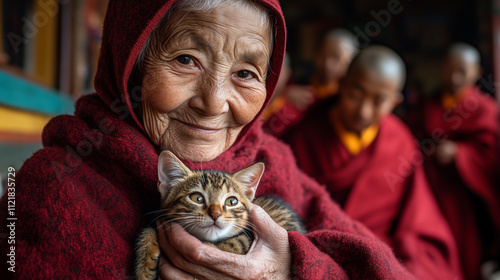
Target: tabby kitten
{"x": 211, "y": 205}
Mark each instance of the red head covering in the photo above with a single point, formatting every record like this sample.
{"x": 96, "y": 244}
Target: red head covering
{"x": 82, "y": 200}
{"x": 119, "y": 53}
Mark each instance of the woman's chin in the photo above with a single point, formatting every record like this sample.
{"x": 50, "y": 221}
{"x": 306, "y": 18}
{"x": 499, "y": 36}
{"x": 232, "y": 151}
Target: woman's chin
{"x": 196, "y": 152}
{"x": 197, "y": 149}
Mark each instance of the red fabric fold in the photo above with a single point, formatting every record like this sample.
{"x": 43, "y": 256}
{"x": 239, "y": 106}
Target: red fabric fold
{"x": 384, "y": 187}
{"x": 467, "y": 190}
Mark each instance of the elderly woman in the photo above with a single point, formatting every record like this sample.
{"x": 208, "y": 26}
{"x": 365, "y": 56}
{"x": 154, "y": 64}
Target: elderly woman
{"x": 192, "y": 77}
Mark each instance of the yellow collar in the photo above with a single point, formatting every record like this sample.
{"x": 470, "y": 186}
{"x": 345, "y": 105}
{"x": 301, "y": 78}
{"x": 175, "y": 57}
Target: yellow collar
{"x": 449, "y": 101}
{"x": 274, "y": 106}
{"x": 351, "y": 141}
{"x": 324, "y": 91}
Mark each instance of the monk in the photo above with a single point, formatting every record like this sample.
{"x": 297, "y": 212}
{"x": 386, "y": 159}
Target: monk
{"x": 458, "y": 130}
{"x": 370, "y": 164}
{"x": 334, "y": 54}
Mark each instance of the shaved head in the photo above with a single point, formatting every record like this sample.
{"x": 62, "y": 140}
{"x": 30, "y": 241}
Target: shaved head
{"x": 461, "y": 67}
{"x": 334, "y": 55}
{"x": 464, "y": 51}
{"x": 382, "y": 61}
{"x": 371, "y": 89}
{"x": 344, "y": 37}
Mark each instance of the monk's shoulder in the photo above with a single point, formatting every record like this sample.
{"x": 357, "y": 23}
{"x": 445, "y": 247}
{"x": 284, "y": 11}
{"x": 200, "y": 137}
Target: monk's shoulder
{"x": 480, "y": 112}
{"x": 394, "y": 127}
{"x": 488, "y": 105}
{"x": 315, "y": 123}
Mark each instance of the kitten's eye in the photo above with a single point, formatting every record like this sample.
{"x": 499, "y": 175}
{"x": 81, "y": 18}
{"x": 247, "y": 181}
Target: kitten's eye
{"x": 185, "y": 59}
{"x": 231, "y": 201}
{"x": 197, "y": 197}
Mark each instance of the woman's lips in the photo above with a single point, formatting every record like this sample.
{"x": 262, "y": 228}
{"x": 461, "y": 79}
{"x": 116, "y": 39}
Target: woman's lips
{"x": 201, "y": 128}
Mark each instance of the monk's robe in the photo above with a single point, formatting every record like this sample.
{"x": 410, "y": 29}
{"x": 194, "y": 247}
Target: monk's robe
{"x": 281, "y": 115}
{"x": 466, "y": 190}
{"x": 382, "y": 185}
{"x": 323, "y": 92}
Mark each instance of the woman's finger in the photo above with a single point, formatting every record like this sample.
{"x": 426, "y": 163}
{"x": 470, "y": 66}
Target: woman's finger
{"x": 265, "y": 226}
{"x": 191, "y": 255}
{"x": 166, "y": 271}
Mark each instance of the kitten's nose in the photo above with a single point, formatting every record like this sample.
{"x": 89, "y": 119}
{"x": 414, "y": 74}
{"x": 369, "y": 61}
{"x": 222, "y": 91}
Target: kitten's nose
{"x": 215, "y": 215}
{"x": 215, "y": 211}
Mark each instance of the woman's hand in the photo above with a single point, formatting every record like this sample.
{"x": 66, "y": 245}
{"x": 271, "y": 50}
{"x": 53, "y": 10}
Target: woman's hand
{"x": 188, "y": 257}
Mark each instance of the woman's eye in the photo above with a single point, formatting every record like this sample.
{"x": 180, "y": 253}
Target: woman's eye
{"x": 244, "y": 74}
{"x": 197, "y": 197}
{"x": 231, "y": 201}
{"x": 185, "y": 59}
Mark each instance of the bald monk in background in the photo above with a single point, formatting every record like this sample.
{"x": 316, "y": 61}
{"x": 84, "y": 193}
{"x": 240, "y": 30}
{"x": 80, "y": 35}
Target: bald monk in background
{"x": 371, "y": 165}
{"x": 458, "y": 131}
{"x": 332, "y": 59}
{"x": 335, "y": 53}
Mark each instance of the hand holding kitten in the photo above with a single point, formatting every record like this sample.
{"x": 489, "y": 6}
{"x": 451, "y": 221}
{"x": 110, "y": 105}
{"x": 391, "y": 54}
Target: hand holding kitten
{"x": 268, "y": 258}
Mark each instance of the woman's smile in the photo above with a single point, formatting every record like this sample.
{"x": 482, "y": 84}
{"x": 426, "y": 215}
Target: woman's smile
{"x": 206, "y": 84}
{"x": 196, "y": 129}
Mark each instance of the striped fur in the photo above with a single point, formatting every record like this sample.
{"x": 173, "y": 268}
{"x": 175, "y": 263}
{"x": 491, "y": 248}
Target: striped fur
{"x": 213, "y": 206}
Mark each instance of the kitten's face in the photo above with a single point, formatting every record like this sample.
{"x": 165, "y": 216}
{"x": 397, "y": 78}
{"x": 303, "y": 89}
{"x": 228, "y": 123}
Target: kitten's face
{"x": 210, "y": 205}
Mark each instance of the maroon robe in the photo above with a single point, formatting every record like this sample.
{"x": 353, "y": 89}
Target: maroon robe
{"x": 467, "y": 190}
{"x": 280, "y": 121}
{"x": 384, "y": 187}
{"x": 83, "y": 198}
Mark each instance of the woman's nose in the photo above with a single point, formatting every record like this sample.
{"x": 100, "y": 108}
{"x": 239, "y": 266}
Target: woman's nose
{"x": 212, "y": 97}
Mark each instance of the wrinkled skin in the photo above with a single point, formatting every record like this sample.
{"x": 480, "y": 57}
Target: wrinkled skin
{"x": 205, "y": 81}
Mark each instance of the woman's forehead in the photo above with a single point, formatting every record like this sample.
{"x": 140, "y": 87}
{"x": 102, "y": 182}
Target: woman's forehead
{"x": 224, "y": 27}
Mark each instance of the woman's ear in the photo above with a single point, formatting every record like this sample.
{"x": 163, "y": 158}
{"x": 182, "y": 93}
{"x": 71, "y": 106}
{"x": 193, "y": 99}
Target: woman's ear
{"x": 249, "y": 178}
{"x": 171, "y": 171}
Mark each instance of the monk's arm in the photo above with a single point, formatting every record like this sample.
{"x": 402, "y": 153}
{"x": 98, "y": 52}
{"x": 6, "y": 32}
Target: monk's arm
{"x": 421, "y": 236}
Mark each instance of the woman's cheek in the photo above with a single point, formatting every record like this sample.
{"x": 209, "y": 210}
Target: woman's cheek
{"x": 166, "y": 93}
{"x": 154, "y": 123}
{"x": 247, "y": 110}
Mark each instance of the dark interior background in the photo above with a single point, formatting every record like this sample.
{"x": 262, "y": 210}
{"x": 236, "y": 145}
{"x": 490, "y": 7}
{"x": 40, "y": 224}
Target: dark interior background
{"x": 420, "y": 32}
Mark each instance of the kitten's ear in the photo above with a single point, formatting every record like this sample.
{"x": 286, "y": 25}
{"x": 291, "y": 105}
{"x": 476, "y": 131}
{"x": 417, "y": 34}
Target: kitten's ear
{"x": 250, "y": 178}
{"x": 170, "y": 171}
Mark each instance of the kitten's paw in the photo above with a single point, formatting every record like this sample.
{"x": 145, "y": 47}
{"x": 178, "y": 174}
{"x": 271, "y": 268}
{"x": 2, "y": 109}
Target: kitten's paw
{"x": 153, "y": 256}
{"x": 148, "y": 255}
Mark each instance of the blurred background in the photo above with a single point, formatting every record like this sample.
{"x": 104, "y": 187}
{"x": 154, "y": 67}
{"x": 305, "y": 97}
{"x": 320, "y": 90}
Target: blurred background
{"x": 49, "y": 50}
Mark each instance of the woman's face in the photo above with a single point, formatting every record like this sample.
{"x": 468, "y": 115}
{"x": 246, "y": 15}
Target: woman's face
{"x": 204, "y": 80}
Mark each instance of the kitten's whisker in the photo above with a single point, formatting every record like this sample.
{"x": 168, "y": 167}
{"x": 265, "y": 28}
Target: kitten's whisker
{"x": 157, "y": 211}
{"x": 178, "y": 220}
{"x": 251, "y": 226}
